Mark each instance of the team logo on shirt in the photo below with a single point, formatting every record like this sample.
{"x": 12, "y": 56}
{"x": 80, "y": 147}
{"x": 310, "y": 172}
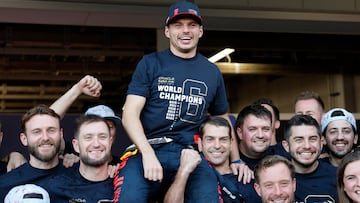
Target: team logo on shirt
{"x": 317, "y": 199}
{"x": 190, "y": 98}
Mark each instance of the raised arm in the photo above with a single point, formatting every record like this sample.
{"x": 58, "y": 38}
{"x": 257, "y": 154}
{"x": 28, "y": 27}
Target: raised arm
{"x": 132, "y": 124}
{"x": 88, "y": 85}
{"x": 188, "y": 162}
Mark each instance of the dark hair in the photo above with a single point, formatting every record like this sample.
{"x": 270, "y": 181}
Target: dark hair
{"x": 40, "y": 109}
{"x": 88, "y": 119}
{"x": 254, "y": 109}
{"x": 270, "y": 103}
{"x": 351, "y": 157}
{"x": 216, "y": 121}
{"x": 299, "y": 120}
{"x": 269, "y": 161}
{"x": 306, "y": 95}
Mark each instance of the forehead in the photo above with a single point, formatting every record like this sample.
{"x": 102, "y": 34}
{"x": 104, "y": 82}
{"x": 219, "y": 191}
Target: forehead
{"x": 184, "y": 20}
{"x": 41, "y": 121}
{"x": 304, "y": 131}
{"x": 94, "y": 128}
{"x": 352, "y": 168}
{"x": 339, "y": 124}
{"x": 252, "y": 120}
{"x": 215, "y": 131}
{"x": 275, "y": 173}
{"x": 306, "y": 105}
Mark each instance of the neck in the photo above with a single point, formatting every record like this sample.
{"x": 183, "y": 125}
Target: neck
{"x": 94, "y": 173}
{"x": 299, "y": 168}
{"x": 334, "y": 160}
{"x": 181, "y": 54}
{"x": 253, "y": 155}
{"x": 36, "y": 163}
{"x": 223, "y": 168}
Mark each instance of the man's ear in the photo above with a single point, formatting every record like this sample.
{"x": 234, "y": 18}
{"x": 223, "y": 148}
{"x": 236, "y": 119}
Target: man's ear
{"x": 285, "y": 145}
{"x": 277, "y": 124}
{"x": 239, "y": 133}
{"x": 257, "y": 189}
{"x": 356, "y": 137}
{"x": 23, "y": 139}
{"x": 75, "y": 143}
{"x": 166, "y": 32}
{"x": 199, "y": 143}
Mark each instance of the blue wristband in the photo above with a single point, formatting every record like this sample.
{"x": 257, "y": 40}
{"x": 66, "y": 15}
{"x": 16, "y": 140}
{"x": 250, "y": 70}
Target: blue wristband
{"x": 236, "y": 161}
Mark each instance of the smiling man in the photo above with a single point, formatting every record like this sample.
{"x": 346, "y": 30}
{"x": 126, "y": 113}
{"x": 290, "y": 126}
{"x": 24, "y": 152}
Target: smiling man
{"x": 315, "y": 180}
{"x": 214, "y": 143}
{"x": 340, "y": 131}
{"x": 89, "y": 181}
{"x": 170, "y": 95}
{"x": 42, "y": 134}
{"x": 275, "y": 180}
{"x": 253, "y": 127}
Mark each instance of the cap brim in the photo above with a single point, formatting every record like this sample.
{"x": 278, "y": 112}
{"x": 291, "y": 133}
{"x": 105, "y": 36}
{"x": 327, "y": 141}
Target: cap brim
{"x": 116, "y": 120}
{"x": 184, "y": 15}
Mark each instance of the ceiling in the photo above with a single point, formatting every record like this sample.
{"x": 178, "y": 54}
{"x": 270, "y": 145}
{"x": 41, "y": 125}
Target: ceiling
{"x": 44, "y": 51}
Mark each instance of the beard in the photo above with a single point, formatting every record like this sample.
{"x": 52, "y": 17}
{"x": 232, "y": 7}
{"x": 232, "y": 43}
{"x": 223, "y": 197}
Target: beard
{"x": 33, "y": 150}
{"x": 93, "y": 162}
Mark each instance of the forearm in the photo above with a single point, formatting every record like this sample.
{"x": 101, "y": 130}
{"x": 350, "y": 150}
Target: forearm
{"x": 61, "y": 105}
{"x": 175, "y": 193}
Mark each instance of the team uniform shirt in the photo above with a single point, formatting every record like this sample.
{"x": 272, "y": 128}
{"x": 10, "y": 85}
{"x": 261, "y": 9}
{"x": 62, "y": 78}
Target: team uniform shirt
{"x": 71, "y": 186}
{"x": 246, "y": 192}
{"x": 318, "y": 186}
{"x": 278, "y": 149}
{"x": 229, "y": 189}
{"x": 26, "y": 174}
{"x": 250, "y": 162}
{"x": 179, "y": 93}
{"x": 327, "y": 160}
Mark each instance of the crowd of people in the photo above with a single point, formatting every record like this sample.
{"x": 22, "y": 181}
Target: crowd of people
{"x": 185, "y": 147}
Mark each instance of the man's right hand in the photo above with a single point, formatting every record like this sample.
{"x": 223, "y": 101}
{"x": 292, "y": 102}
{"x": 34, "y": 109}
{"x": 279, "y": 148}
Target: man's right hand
{"x": 189, "y": 160}
{"x": 152, "y": 168}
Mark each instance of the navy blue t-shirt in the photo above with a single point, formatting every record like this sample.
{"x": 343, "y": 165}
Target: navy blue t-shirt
{"x": 229, "y": 189}
{"x": 250, "y": 162}
{"x": 70, "y": 186}
{"x": 318, "y": 186}
{"x": 26, "y": 174}
{"x": 278, "y": 149}
{"x": 179, "y": 94}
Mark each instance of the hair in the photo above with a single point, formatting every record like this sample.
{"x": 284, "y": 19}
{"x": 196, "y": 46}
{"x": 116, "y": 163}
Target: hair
{"x": 254, "y": 109}
{"x": 351, "y": 157}
{"x": 87, "y": 119}
{"x": 270, "y": 103}
{"x": 40, "y": 109}
{"x": 310, "y": 95}
{"x": 269, "y": 161}
{"x": 216, "y": 121}
{"x": 299, "y": 120}
{"x": 335, "y": 114}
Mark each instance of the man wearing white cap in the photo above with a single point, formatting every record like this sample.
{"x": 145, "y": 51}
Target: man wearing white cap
{"x": 28, "y": 193}
{"x": 340, "y": 131}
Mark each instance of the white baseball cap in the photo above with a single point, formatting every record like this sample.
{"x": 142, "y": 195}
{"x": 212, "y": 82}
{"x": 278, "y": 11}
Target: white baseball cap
{"x": 104, "y": 112}
{"x": 341, "y": 114}
{"x": 28, "y": 193}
